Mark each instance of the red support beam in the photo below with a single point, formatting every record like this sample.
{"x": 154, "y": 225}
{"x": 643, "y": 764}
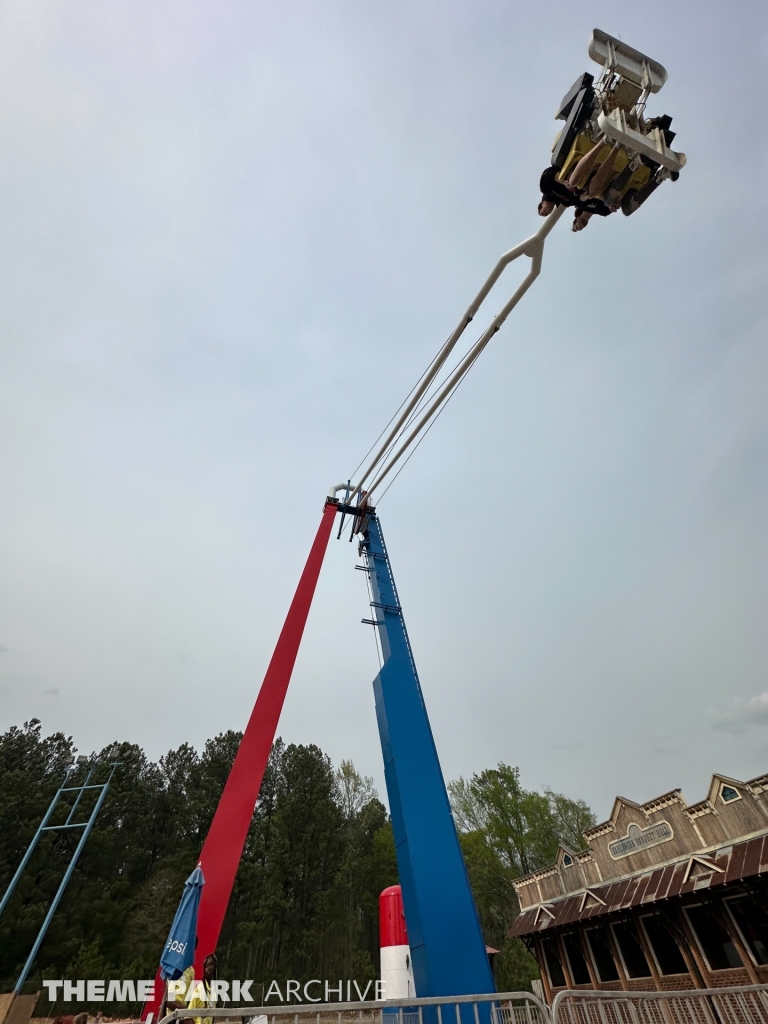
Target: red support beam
{"x": 226, "y": 837}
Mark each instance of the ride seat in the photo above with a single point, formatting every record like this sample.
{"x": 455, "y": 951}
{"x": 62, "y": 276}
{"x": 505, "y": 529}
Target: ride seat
{"x": 582, "y": 145}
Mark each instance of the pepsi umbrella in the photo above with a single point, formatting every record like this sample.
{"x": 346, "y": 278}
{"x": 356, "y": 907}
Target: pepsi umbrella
{"x": 179, "y": 950}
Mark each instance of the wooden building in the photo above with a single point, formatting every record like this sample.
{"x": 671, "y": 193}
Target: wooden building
{"x": 667, "y": 896}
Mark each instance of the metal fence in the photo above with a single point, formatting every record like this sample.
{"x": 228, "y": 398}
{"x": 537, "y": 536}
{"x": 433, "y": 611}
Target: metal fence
{"x": 494, "y": 1008}
{"x": 742, "y": 1004}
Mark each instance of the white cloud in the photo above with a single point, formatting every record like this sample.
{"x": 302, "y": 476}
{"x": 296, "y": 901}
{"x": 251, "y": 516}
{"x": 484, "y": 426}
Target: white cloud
{"x": 743, "y": 713}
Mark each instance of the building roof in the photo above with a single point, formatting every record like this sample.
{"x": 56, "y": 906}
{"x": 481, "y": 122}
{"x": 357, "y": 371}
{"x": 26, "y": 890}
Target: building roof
{"x": 650, "y": 852}
{"x": 688, "y": 875}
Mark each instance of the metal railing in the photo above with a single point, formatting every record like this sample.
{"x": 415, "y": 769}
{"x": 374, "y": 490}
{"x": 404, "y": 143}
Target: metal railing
{"x": 496, "y": 1007}
{"x": 737, "y": 1004}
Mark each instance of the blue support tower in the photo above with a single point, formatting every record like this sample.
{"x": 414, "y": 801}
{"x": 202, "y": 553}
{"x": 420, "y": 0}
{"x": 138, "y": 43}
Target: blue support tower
{"x": 447, "y": 947}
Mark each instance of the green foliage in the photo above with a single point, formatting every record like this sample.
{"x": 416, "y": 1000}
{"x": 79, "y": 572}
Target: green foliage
{"x": 514, "y": 967}
{"x": 305, "y": 903}
{"x": 318, "y": 853}
{"x": 507, "y": 831}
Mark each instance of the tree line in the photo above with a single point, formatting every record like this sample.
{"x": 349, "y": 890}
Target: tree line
{"x": 305, "y": 903}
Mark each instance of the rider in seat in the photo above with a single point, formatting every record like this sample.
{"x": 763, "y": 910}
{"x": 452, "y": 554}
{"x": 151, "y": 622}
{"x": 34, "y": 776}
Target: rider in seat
{"x": 608, "y": 156}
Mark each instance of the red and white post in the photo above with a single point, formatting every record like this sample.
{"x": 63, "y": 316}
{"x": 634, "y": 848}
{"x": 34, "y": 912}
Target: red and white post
{"x": 396, "y": 968}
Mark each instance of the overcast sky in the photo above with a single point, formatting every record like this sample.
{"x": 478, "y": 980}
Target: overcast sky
{"x": 232, "y": 235}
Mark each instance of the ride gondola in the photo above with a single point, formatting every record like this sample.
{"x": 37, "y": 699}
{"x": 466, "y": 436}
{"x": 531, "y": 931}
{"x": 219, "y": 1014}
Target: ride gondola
{"x": 609, "y": 155}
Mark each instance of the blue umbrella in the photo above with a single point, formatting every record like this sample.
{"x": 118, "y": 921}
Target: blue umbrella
{"x": 179, "y": 950}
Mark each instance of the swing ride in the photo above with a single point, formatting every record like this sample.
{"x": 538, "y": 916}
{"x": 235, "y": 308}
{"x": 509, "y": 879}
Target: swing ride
{"x": 607, "y": 152}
